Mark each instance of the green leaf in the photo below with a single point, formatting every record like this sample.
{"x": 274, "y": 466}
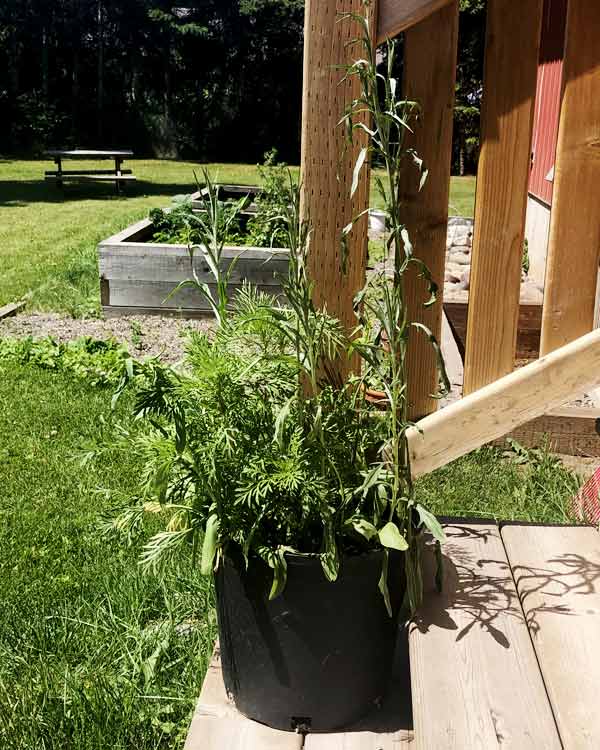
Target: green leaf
{"x": 357, "y": 167}
{"x": 431, "y": 523}
{"x": 391, "y": 537}
{"x": 383, "y": 584}
{"x": 209, "y": 545}
{"x": 362, "y": 527}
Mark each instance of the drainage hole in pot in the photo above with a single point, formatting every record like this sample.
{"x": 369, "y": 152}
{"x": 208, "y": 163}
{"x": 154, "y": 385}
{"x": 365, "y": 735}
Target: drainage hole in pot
{"x": 301, "y": 724}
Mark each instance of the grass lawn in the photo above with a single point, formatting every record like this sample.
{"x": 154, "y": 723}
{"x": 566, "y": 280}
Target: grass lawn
{"x": 94, "y": 653}
{"x": 48, "y": 242}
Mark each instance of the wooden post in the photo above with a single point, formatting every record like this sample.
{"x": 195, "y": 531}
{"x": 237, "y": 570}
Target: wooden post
{"x": 574, "y": 246}
{"x": 511, "y": 62}
{"x": 430, "y": 75}
{"x": 326, "y": 166}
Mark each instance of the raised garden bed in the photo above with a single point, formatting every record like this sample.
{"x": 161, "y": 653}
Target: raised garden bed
{"x": 137, "y": 275}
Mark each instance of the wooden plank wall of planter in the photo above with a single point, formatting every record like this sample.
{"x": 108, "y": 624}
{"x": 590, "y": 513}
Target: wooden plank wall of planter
{"x": 138, "y": 277}
{"x": 327, "y": 166}
{"x": 503, "y": 174}
{"x": 574, "y": 248}
{"x": 430, "y": 50}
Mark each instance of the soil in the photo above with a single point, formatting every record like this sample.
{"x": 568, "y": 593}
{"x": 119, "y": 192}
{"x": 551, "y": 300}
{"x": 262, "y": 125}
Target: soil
{"x": 143, "y": 335}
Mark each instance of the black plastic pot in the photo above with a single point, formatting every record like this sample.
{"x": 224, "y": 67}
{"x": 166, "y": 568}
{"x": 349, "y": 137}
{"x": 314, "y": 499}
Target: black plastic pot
{"x": 319, "y": 656}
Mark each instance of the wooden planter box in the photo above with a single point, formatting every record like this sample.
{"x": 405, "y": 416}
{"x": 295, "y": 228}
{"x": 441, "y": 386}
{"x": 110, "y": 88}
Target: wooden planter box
{"x": 137, "y": 276}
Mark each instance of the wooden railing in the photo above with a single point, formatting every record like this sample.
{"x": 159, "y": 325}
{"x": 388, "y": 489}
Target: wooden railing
{"x": 511, "y": 62}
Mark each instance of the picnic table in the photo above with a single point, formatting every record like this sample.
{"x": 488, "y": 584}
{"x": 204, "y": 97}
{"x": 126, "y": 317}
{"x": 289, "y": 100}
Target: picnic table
{"x": 507, "y": 656}
{"x": 116, "y": 175}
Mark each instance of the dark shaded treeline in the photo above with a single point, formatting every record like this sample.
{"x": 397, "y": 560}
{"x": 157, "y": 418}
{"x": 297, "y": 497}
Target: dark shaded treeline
{"x": 213, "y": 79}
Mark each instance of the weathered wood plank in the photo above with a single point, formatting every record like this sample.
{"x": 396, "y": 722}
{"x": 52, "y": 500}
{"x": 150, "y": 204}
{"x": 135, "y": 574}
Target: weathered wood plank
{"x": 217, "y": 725}
{"x": 398, "y": 15}
{"x": 173, "y": 264}
{"x": 502, "y": 179}
{"x": 475, "y": 679}
{"x": 502, "y": 406}
{"x": 154, "y": 294}
{"x": 574, "y": 245}
{"x": 430, "y": 72}
{"x": 528, "y": 328}
{"x": 452, "y": 357}
{"x": 327, "y": 166}
{"x": 11, "y": 309}
{"x": 123, "y": 311}
{"x": 557, "y": 571}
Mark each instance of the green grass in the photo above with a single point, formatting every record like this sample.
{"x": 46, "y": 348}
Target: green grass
{"x": 92, "y": 650}
{"x": 48, "y": 242}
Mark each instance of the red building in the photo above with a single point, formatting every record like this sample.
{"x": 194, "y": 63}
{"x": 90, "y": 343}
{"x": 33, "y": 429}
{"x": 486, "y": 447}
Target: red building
{"x": 545, "y": 133}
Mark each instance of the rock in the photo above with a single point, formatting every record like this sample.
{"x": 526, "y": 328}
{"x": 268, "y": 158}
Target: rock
{"x": 461, "y": 259}
{"x": 465, "y": 279}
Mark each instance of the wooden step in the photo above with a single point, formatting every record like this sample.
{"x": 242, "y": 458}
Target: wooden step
{"x": 557, "y": 572}
{"x": 475, "y": 678}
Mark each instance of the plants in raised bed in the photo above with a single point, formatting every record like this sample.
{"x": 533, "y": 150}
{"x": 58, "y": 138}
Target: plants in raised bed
{"x": 257, "y": 224}
{"x": 281, "y": 478}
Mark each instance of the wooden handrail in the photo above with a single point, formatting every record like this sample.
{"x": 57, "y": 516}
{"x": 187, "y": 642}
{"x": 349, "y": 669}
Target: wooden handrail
{"x": 498, "y": 408}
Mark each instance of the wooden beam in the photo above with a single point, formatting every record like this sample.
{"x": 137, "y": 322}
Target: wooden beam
{"x": 511, "y": 63}
{"x": 327, "y": 166}
{"x": 398, "y": 15}
{"x": 430, "y": 71}
{"x": 574, "y": 245}
{"x": 505, "y": 404}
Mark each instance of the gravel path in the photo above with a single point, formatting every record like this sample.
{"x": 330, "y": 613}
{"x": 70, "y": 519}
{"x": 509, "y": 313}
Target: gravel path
{"x": 144, "y": 335}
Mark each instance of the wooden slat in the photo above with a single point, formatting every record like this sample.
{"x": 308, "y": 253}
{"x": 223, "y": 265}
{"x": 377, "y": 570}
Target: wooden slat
{"x": 528, "y": 328}
{"x": 172, "y": 263}
{"x": 574, "y": 245}
{"x": 66, "y": 172}
{"x": 452, "y": 357}
{"x": 398, "y": 15}
{"x": 511, "y": 61}
{"x": 430, "y": 72}
{"x": 89, "y": 154}
{"x": 327, "y": 166}
{"x": 475, "y": 680}
{"x": 217, "y": 725}
{"x": 557, "y": 571}
{"x": 502, "y": 406}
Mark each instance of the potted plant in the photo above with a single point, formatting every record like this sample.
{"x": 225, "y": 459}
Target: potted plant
{"x": 286, "y": 484}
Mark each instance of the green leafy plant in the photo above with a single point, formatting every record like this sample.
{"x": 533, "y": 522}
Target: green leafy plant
{"x": 267, "y": 227}
{"x": 382, "y": 338}
{"x": 259, "y": 448}
{"x": 100, "y": 363}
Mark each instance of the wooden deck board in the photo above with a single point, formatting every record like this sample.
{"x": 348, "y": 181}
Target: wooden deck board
{"x": 475, "y": 678}
{"x": 216, "y": 724}
{"x": 557, "y": 571}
